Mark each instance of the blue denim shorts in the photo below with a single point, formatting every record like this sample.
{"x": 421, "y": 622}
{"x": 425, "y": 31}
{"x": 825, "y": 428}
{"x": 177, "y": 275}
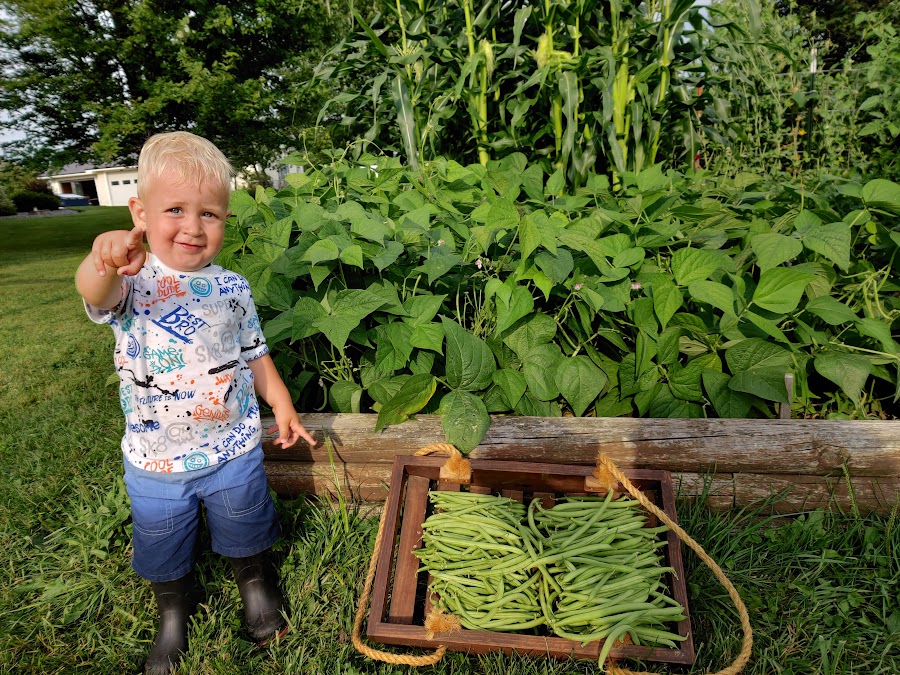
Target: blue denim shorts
{"x": 165, "y": 512}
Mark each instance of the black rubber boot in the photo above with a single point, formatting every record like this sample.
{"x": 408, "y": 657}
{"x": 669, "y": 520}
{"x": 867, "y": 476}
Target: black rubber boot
{"x": 177, "y": 600}
{"x": 263, "y": 602}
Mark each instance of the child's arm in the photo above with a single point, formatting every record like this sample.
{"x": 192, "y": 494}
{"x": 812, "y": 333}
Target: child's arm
{"x": 271, "y": 388}
{"x": 114, "y": 254}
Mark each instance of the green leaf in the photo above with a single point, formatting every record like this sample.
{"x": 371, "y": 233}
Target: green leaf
{"x": 693, "y": 264}
{"x": 831, "y": 311}
{"x": 345, "y": 396}
{"x": 422, "y": 308}
{"x": 611, "y": 406}
{"x": 667, "y": 299}
{"x": 557, "y": 267}
{"x": 530, "y": 406}
{"x": 370, "y": 229}
{"x": 405, "y": 120}
{"x": 464, "y": 419}
{"x": 386, "y": 388}
{"x": 322, "y": 251}
{"x": 767, "y": 383}
{"x": 470, "y": 363}
{"x": 529, "y": 235}
{"x": 756, "y": 353}
{"x": 831, "y": 241}
{"x": 511, "y": 383}
{"x": 768, "y": 326}
{"x": 437, "y": 266}
{"x": 580, "y": 382}
{"x": 536, "y": 330}
{"x": 412, "y": 397}
{"x": 882, "y": 194}
{"x": 780, "y": 289}
{"x": 685, "y": 383}
{"x": 242, "y": 205}
{"x": 428, "y": 336}
{"x": 388, "y": 256}
{"x": 713, "y": 293}
{"x": 349, "y": 308}
{"x": 629, "y": 257}
{"x": 520, "y": 304}
{"x": 556, "y": 184}
{"x": 353, "y": 255}
{"x": 276, "y": 329}
{"x": 667, "y": 346}
{"x": 533, "y": 176}
{"x": 725, "y": 401}
{"x": 278, "y": 292}
{"x": 393, "y": 346}
{"x": 772, "y": 249}
{"x": 665, "y": 404}
{"x": 878, "y": 330}
{"x": 540, "y": 371}
{"x": 503, "y": 215}
{"x": 306, "y": 312}
{"x": 848, "y": 371}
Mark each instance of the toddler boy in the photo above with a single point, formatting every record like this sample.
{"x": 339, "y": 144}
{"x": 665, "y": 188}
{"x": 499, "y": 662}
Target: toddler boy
{"x": 190, "y": 353}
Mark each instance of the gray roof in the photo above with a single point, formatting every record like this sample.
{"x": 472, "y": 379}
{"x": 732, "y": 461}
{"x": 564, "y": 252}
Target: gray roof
{"x": 75, "y": 168}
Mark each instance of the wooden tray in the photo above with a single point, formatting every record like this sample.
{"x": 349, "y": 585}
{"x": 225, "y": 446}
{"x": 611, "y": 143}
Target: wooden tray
{"x": 399, "y": 591}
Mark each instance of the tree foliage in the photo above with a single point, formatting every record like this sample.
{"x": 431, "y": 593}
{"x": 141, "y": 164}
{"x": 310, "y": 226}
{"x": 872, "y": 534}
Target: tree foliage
{"x": 834, "y": 22}
{"x": 93, "y": 80}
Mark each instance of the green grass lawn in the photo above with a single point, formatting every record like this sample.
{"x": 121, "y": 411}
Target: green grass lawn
{"x": 823, "y": 589}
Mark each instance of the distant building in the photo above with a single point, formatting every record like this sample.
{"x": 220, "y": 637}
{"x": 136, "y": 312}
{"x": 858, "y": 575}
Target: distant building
{"x": 104, "y": 185}
{"x": 111, "y": 185}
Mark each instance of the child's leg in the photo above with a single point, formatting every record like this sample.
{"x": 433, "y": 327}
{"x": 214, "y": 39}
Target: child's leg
{"x": 243, "y": 526}
{"x": 165, "y": 517}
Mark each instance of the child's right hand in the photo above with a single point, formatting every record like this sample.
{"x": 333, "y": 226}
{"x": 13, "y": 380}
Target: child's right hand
{"x": 121, "y": 249}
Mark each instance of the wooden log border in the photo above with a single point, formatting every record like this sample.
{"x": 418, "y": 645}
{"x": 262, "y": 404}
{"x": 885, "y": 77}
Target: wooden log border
{"x": 803, "y": 464}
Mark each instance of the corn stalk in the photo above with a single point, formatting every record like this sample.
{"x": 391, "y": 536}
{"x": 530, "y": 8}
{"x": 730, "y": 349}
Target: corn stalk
{"x": 584, "y": 86}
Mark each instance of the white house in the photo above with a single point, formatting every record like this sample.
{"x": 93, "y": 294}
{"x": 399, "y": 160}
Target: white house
{"x": 110, "y": 185}
{"x": 106, "y": 185}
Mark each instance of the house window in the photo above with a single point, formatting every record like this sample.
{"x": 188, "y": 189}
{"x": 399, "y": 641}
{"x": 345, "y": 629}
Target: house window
{"x": 126, "y": 182}
{"x": 115, "y": 182}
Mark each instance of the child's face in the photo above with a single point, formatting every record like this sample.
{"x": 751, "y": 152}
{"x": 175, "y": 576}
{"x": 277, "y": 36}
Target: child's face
{"x": 184, "y": 222}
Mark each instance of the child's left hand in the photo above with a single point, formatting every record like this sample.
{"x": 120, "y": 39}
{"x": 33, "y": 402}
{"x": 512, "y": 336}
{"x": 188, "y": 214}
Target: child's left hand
{"x": 290, "y": 429}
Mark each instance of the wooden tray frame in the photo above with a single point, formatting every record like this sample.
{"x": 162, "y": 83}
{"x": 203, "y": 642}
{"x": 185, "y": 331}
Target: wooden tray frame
{"x": 399, "y": 591}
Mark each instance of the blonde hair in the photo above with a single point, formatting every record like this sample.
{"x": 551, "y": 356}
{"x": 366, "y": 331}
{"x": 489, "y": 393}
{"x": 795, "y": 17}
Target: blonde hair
{"x": 188, "y": 156}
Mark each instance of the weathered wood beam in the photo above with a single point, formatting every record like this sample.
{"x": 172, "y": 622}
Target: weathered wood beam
{"x": 804, "y": 447}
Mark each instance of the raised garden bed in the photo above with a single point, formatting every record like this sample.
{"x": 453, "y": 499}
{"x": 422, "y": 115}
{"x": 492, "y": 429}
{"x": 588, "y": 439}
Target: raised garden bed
{"x": 809, "y": 463}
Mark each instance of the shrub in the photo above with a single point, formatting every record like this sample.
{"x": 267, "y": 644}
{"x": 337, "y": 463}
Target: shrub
{"x": 28, "y": 201}
{"x": 7, "y": 207}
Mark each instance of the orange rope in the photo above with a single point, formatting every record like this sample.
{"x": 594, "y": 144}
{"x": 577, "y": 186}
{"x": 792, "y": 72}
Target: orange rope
{"x": 605, "y": 464}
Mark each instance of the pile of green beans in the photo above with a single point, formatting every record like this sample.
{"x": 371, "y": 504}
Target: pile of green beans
{"x": 479, "y": 566}
{"x": 588, "y": 568}
{"x": 604, "y": 572}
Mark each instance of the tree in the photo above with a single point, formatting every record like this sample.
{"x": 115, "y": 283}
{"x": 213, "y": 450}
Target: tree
{"x": 834, "y": 21}
{"x": 92, "y": 80}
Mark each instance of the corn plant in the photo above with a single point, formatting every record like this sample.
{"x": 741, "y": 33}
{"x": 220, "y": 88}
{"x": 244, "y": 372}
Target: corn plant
{"x": 579, "y": 85}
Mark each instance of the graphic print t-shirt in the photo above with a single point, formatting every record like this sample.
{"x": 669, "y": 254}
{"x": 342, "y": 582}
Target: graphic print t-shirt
{"x": 183, "y": 340}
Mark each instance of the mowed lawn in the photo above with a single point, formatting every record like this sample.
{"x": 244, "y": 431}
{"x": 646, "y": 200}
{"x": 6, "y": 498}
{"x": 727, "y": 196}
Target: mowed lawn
{"x": 823, "y": 589}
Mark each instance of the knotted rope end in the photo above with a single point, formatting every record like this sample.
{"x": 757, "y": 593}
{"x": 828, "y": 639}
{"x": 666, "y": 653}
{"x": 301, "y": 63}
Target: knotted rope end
{"x": 603, "y": 474}
{"x": 438, "y": 621}
{"x": 457, "y": 469}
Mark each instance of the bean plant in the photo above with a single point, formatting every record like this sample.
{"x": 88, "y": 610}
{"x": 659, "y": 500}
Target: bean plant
{"x": 470, "y": 290}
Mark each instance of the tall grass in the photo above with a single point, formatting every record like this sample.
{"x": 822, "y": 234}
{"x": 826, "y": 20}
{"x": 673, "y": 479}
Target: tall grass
{"x": 821, "y": 587}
